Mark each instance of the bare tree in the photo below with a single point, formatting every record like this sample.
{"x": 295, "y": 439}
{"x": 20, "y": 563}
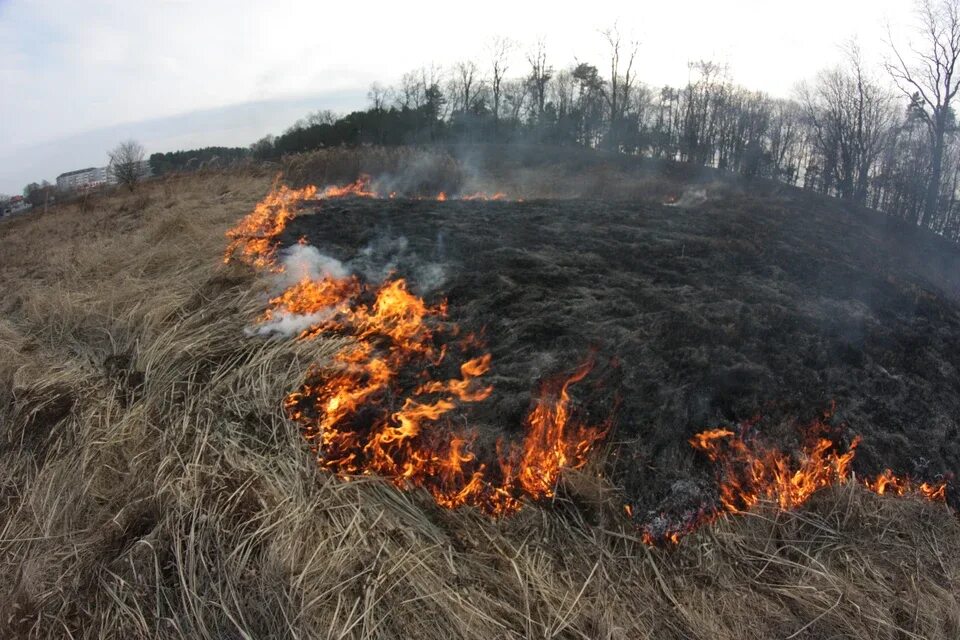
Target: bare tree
{"x": 410, "y": 95}
{"x": 323, "y": 116}
{"x": 540, "y": 74}
{"x": 515, "y": 94}
{"x": 930, "y": 80}
{"x": 126, "y": 163}
{"x": 850, "y": 115}
{"x": 500, "y": 50}
{"x": 621, "y": 80}
{"x": 378, "y": 96}
{"x": 465, "y": 86}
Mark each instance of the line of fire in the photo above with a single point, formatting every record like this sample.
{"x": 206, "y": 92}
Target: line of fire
{"x": 378, "y": 406}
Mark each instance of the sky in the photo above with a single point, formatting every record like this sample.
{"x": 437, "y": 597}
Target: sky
{"x": 77, "y": 77}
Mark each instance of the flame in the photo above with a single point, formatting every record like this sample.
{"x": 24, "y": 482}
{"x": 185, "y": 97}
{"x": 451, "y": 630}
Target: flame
{"x": 253, "y": 240}
{"x": 361, "y": 416}
{"x": 552, "y": 443}
{"x": 886, "y": 483}
{"x": 479, "y": 195}
{"x": 358, "y": 189}
{"x": 380, "y": 407}
{"x": 748, "y": 472}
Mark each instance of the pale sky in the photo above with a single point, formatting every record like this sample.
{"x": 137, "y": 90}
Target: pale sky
{"x": 78, "y": 76}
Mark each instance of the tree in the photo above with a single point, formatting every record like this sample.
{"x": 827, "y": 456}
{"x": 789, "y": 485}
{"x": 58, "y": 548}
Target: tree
{"x": 378, "y": 95}
{"x": 931, "y": 81}
{"x": 540, "y": 74}
{"x": 127, "y": 163}
{"x": 620, "y": 82}
{"x": 500, "y": 50}
{"x": 262, "y": 149}
{"x": 850, "y": 117}
{"x": 38, "y": 194}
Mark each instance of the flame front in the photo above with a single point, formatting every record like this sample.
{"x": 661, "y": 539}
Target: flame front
{"x": 253, "y": 241}
{"x": 748, "y": 472}
{"x": 380, "y": 406}
{"x": 361, "y": 415}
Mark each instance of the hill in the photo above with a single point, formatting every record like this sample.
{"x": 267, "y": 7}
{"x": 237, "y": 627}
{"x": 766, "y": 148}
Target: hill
{"x": 152, "y": 485}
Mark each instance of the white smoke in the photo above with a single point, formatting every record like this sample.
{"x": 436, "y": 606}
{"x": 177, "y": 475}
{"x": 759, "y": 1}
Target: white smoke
{"x": 305, "y": 261}
{"x": 301, "y": 261}
{"x": 691, "y": 198}
{"x": 288, "y": 324}
{"x": 376, "y": 262}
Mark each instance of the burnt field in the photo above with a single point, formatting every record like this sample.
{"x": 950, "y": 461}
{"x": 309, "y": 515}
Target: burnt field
{"x": 727, "y": 310}
{"x": 154, "y": 483}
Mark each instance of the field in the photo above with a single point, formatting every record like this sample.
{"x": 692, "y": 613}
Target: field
{"x": 151, "y": 486}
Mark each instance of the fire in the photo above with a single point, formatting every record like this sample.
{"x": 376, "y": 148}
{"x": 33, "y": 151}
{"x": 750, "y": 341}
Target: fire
{"x": 479, "y": 195}
{"x": 887, "y": 483}
{"x": 358, "y": 189}
{"x": 381, "y": 405}
{"x": 360, "y": 414}
{"x": 254, "y": 239}
{"x": 360, "y": 419}
{"x": 552, "y": 442}
{"x": 749, "y": 472}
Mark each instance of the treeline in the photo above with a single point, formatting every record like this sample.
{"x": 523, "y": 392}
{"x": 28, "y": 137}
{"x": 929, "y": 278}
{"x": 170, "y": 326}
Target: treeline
{"x": 884, "y": 138}
{"x": 194, "y": 159}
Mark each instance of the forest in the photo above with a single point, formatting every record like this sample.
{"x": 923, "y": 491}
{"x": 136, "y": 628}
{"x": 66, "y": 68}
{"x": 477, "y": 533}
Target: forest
{"x": 882, "y": 137}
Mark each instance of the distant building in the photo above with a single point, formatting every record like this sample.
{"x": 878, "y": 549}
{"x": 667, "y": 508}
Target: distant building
{"x": 83, "y": 178}
{"x": 16, "y": 204}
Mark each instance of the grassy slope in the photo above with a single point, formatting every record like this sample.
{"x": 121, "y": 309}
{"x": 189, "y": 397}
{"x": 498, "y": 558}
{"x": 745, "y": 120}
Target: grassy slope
{"x": 149, "y": 486}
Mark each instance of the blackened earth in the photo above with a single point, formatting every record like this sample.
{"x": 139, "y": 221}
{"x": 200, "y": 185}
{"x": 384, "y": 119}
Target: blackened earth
{"x": 774, "y": 306}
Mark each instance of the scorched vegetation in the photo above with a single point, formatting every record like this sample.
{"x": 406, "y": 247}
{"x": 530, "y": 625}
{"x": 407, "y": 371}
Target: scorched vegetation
{"x": 155, "y": 480}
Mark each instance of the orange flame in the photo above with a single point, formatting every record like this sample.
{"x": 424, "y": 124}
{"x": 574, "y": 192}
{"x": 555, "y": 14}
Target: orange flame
{"x": 360, "y": 416}
{"x": 552, "y": 443}
{"x": 358, "y": 189}
{"x": 749, "y": 472}
{"x": 887, "y": 483}
{"x": 253, "y": 240}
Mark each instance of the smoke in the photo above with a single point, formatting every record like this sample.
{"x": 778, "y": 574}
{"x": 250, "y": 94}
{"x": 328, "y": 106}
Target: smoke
{"x": 691, "y": 198}
{"x": 381, "y": 259}
{"x": 304, "y": 261}
{"x": 386, "y": 256}
{"x": 300, "y": 262}
{"x": 288, "y": 324}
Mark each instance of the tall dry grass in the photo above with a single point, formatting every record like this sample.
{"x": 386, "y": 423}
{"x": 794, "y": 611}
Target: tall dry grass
{"x": 150, "y": 488}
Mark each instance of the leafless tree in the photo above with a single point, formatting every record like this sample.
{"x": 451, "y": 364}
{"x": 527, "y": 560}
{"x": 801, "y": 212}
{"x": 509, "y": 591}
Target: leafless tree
{"x": 621, "y": 79}
{"x": 930, "y": 79}
{"x": 515, "y": 94}
{"x": 500, "y": 50}
{"x": 324, "y": 116}
{"x": 126, "y": 163}
{"x": 540, "y": 74}
{"x": 850, "y": 115}
{"x": 378, "y": 96}
{"x": 465, "y": 86}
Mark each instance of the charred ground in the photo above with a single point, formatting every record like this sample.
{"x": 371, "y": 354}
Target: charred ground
{"x": 735, "y": 306}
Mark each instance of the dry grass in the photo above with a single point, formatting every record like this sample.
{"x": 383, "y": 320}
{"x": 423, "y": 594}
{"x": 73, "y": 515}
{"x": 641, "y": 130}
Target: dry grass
{"x": 150, "y": 487}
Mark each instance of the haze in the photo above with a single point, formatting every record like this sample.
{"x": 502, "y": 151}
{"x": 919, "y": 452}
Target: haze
{"x": 79, "y": 77}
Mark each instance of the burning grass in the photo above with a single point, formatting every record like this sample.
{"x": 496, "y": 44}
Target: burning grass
{"x": 151, "y": 485}
{"x": 360, "y": 418}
